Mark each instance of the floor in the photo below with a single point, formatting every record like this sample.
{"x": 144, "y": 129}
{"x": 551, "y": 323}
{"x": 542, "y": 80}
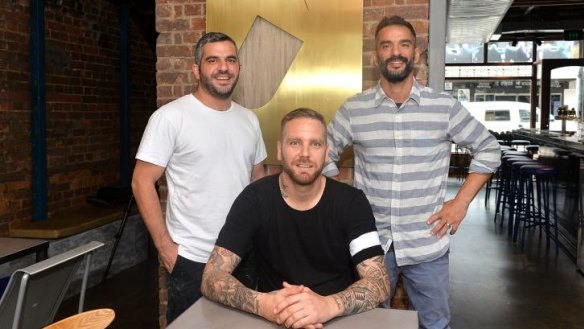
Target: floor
{"x": 132, "y": 294}
{"x": 493, "y": 284}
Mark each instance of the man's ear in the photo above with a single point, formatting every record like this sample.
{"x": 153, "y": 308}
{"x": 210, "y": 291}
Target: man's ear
{"x": 326, "y": 157}
{"x": 417, "y": 55}
{"x": 373, "y": 60}
{"x": 279, "y": 150}
{"x": 196, "y": 73}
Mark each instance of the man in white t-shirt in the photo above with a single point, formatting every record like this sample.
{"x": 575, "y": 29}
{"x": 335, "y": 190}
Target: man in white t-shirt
{"x": 209, "y": 149}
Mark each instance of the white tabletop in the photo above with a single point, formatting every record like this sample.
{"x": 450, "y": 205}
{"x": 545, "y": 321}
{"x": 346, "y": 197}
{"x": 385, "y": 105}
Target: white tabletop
{"x": 205, "y": 314}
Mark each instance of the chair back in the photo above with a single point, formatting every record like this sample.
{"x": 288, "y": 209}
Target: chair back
{"x": 34, "y": 293}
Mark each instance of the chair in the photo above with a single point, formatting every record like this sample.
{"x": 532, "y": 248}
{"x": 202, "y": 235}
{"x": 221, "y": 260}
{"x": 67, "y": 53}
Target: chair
{"x": 94, "y": 319}
{"x": 34, "y": 293}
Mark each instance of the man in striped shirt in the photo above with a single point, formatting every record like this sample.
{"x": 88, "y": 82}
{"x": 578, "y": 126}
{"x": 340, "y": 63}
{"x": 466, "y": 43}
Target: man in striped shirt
{"x": 402, "y": 134}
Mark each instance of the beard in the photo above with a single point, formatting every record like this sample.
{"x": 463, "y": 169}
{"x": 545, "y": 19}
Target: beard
{"x": 217, "y": 92}
{"x": 398, "y": 76}
{"x": 303, "y": 178}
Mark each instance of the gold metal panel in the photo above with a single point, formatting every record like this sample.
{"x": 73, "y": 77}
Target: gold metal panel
{"x": 327, "y": 67}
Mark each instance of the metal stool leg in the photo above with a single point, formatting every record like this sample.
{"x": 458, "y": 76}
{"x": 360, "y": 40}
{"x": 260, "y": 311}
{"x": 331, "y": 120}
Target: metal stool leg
{"x": 118, "y": 236}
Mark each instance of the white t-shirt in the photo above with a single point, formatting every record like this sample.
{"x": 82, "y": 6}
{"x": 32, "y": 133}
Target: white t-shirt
{"x": 208, "y": 156}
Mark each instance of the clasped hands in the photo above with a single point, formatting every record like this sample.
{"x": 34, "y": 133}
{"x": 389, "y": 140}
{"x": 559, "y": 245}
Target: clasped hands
{"x": 296, "y": 306}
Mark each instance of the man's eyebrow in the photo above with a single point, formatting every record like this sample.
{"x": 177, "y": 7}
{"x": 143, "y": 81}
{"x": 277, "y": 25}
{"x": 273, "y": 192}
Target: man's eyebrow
{"x": 385, "y": 42}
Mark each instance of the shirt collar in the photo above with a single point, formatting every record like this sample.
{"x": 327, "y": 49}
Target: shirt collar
{"x": 414, "y": 93}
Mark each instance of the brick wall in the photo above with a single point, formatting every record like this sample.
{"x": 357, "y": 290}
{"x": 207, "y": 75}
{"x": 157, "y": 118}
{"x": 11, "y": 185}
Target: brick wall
{"x": 82, "y": 103}
{"x": 182, "y": 22}
{"x": 15, "y": 148}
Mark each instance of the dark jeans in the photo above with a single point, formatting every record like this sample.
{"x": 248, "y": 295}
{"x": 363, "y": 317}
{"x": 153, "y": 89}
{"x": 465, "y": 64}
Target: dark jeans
{"x": 184, "y": 287}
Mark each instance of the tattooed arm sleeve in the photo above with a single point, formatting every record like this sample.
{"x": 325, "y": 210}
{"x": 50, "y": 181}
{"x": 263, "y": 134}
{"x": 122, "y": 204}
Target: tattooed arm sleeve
{"x": 368, "y": 292}
{"x": 220, "y": 285}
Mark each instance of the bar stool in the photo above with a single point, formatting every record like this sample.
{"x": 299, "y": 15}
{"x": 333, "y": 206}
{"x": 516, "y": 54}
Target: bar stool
{"x": 539, "y": 210}
{"x": 492, "y": 184}
{"x": 517, "y": 143}
{"x": 460, "y": 162}
{"x": 522, "y": 200}
{"x": 505, "y": 193}
{"x": 504, "y": 176}
{"x": 532, "y": 149}
{"x": 513, "y": 199}
{"x": 494, "y": 181}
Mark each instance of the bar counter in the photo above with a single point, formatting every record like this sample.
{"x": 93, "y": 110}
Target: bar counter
{"x": 566, "y": 154}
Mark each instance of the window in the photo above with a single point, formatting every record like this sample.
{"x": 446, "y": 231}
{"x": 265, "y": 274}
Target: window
{"x": 464, "y": 53}
{"x": 497, "y": 115}
{"x": 524, "y": 115}
{"x": 558, "y": 49}
{"x": 507, "y": 52}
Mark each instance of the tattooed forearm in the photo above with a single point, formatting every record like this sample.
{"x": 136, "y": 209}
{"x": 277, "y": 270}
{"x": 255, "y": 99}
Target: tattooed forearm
{"x": 219, "y": 285}
{"x": 369, "y": 291}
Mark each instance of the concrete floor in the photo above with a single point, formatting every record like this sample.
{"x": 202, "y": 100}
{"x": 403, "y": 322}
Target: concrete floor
{"x": 493, "y": 284}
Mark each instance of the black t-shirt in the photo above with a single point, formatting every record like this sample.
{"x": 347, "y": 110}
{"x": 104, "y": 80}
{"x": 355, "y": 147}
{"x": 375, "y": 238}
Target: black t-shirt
{"x": 311, "y": 247}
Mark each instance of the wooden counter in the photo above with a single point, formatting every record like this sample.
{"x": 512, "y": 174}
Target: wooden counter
{"x": 66, "y": 224}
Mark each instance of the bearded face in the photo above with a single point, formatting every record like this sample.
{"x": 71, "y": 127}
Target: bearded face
{"x": 396, "y": 53}
{"x": 303, "y": 150}
{"x": 218, "y": 70}
{"x": 396, "y": 75}
{"x": 219, "y": 84}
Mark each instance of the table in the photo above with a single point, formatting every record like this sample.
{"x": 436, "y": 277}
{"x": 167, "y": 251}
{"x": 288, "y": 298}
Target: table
{"x": 206, "y": 314}
{"x": 14, "y": 248}
{"x": 98, "y": 318}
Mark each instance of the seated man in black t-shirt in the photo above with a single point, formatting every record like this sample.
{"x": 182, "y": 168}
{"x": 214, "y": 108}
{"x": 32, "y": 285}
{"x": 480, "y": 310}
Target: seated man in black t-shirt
{"x": 317, "y": 251}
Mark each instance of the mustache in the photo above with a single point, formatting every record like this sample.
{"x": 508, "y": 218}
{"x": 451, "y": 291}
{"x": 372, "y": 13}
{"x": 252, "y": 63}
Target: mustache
{"x": 224, "y": 72}
{"x": 396, "y": 58}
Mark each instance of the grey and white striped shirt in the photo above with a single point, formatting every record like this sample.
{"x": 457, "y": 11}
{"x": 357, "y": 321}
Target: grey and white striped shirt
{"x": 402, "y": 158}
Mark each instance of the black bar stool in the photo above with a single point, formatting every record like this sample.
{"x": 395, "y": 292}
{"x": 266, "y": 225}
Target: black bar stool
{"x": 507, "y": 184}
{"x": 494, "y": 182}
{"x": 541, "y": 208}
{"x": 512, "y": 200}
{"x": 519, "y": 143}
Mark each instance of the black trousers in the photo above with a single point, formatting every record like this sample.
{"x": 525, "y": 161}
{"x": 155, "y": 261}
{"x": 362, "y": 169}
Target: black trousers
{"x": 184, "y": 287}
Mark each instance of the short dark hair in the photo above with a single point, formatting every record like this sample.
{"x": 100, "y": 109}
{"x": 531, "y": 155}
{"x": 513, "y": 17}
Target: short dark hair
{"x": 394, "y": 20}
{"x": 210, "y": 37}
{"x": 302, "y": 112}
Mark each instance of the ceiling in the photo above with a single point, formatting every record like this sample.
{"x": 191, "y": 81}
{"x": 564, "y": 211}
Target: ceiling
{"x": 476, "y": 21}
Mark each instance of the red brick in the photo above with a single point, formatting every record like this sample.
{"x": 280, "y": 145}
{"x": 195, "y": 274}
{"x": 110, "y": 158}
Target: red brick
{"x": 163, "y": 11}
{"x": 194, "y": 10}
{"x": 198, "y": 23}
{"x": 166, "y": 25}
{"x": 178, "y": 11}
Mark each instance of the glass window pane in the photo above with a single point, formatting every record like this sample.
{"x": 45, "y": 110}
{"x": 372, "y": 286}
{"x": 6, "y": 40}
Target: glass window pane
{"x": 558, "y": 49}
{"x": 477, "y": 90}
{"x": 524, "y": 115}
{"x": 507, "y": 52}
{"x": 497, "y": 115}
{"x": 464, "y": 53}
{"x": 510, "y": 98}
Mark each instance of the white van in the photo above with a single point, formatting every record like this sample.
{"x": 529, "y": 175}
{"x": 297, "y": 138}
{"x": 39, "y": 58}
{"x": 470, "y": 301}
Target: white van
{"x": 502, "y": 116}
